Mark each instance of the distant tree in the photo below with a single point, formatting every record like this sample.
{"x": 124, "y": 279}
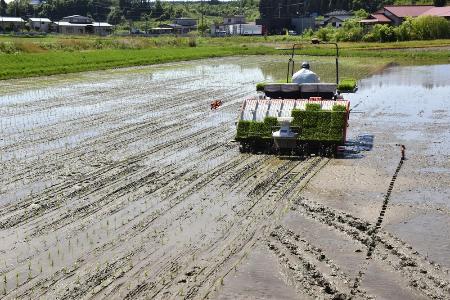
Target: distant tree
{"x": 203, "y": 28}
{"x": 114, "y": 16}
{"x": 124, "y": 4}
{"x": 158, "y": 10}
{"x": 361, "y": 14}
{"x": 367, "y": 5}
{"x": 440, "y": 2}
{"x": 3, "y": 7}
{"x": 20, "y": 8}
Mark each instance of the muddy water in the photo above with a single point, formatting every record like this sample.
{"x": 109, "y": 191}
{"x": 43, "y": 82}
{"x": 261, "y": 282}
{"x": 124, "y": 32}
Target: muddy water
{"x": 412, "y": 103}
{"x": 123, "y": 184}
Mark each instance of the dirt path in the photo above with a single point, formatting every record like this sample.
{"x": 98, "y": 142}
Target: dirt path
{"x": 123, "y": 184}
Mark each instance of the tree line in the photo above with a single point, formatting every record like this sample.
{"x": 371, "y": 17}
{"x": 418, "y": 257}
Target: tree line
{"x": 420, "y": 28}
{"x": 121, "y": 11}
{"x": 117, "y": 11}
{"x": 292, "y": 8}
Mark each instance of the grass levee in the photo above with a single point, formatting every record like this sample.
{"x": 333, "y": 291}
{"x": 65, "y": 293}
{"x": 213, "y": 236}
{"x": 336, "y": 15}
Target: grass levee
{"x": 37, "y": 56}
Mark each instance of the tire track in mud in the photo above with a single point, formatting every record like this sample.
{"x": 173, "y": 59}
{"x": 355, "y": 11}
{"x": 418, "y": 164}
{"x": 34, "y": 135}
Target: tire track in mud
{"x": 239, "y": 177}
{"x": 141, "y": 286}
{"x": 192, "y": 190}
{"x": 245, "y": 169}
{"x": 168, "y": 260}
{"x": 262, "y": 208}
{"x": 132, "y": 185}
{"x": 82, "y": 187}
{"x": 422, "y": 275}
{"x": 311, "y": 271}
{"x": 374, "y": 232}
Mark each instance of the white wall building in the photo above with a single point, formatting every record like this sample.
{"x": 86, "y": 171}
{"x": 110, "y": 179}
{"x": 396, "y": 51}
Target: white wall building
{"x": 235, "y": 25}
{"x": 40, "y": 24}
{"x": 82, "y": 25}
{"x": 229, "y": 20}
{"x": 243, "y": 29}
{"x": 11, "y": 23}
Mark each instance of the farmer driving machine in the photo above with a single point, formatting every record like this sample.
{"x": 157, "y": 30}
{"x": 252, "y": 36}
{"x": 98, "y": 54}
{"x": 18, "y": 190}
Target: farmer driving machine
{"x": 292, "y": 118}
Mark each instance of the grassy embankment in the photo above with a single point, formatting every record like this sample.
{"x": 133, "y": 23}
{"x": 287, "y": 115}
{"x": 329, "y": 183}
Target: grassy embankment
{"x": 25, "y": 57}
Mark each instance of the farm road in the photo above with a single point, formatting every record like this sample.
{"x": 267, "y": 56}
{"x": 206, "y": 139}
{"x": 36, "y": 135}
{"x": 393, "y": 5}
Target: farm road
{"x": 123, "y": 184}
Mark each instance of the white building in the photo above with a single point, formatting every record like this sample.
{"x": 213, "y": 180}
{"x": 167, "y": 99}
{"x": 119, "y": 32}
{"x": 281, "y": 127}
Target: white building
{"x": 11, "y": 23}
{"x": 243, "y": 29}
{"x": 336, "y": 18}
{"x": 183, "y": 25}
{"x": 230, "y": 20}
{"x": 40, "y": 24}
{"x": 82, "y": 25}
{"x": 235, "y": 25}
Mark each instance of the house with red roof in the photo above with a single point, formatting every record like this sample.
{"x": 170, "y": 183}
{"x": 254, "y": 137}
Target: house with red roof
{"x": 376, "y": 18}
{"x": 439, "y": 11}
{"x": 395, "y": 14}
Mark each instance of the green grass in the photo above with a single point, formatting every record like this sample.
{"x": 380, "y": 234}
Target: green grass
{"x": 36, "y": 56}
{"x": 57, "y": 62}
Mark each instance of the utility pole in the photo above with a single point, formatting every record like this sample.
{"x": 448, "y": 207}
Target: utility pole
{"x": 96, "y": 15}
{"x": 279, "y": 10}
{"x": 203, "y": 11}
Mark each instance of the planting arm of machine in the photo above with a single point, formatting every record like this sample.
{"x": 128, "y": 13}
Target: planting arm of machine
{"x": 285, "y": 137}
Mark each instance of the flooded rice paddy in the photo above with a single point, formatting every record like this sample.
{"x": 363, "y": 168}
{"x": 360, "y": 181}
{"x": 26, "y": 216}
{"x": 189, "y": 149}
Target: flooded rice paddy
{"x": 123, "y": 184}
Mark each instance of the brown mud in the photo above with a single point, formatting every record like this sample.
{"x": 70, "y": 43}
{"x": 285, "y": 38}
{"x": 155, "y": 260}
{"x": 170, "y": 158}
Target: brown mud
{"x": 124, "y": 184}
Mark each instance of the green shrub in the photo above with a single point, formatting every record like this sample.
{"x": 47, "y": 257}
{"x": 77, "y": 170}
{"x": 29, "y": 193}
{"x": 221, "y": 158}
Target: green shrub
{"x": 325, "y": 34}
{"x": 192, "y": 42}
{"x": 405, "y": 31}
{"x": 351, "y": 31}
{"x": 431, "y": 27}
{"x": 380, "y": 33}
